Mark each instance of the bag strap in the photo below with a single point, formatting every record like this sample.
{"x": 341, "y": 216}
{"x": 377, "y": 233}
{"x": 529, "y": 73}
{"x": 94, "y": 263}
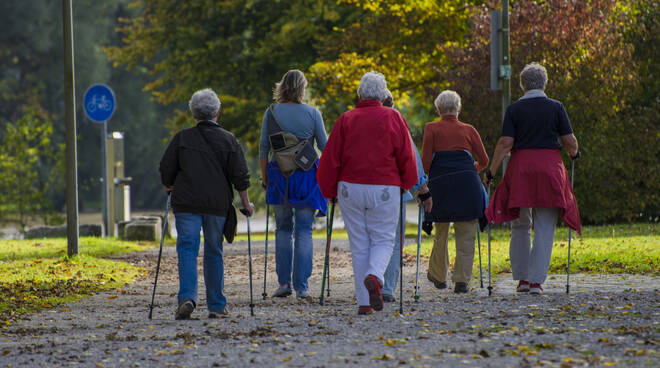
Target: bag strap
{"x": 273, "y": 128}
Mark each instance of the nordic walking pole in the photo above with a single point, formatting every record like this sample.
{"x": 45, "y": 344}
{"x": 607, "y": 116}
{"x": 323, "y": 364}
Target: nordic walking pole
{"x": 247, "y": 215}
{"x": 481, "y": 277}
{"x": 490, "y": 287}
{"x": 160, "y": 251}
{"x": 326, "y": 262}
{"x": 568, "y": 264}
{"x": 264, "y": 295}
{"x": 403, "y": 224}
{"x": 328, "y": 224}
{"x": 419, "y": 246}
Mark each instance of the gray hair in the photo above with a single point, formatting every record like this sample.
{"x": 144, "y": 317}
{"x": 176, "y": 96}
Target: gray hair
{"x": 291, "y": 88}
{"x": 204, "y": 104}
{"x": 533, "y": 76}
{"x": 372, "y": 87}
{"x": 448, "y": 103}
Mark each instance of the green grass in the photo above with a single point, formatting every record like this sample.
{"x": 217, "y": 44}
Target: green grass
{"x": 632, "y": 249}
{"x": 37, "y": 274}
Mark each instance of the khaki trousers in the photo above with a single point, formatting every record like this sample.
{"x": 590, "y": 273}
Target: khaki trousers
{"x": 439, "y": 263}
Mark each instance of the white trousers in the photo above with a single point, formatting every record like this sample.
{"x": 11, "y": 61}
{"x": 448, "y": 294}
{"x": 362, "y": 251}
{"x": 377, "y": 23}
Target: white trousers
{"x": 532, "y": 264}
{"x": 370, "y": 213}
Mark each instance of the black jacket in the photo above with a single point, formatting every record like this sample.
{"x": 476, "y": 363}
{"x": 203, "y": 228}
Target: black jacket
{"x": 203, "y": 171}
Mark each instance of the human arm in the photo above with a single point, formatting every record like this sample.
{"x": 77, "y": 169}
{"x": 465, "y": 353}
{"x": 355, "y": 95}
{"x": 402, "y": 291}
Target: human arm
{"x": 320, "y": 135}
{"x": 245, "y": 202}
{"x": 263, "y": 163}
{"x": 570, "y": 143}
{"x": 405, "y": 155}
{"x": 328, "y": 171}
{"x": 421, "y": 187}
{"x": 478, "y": 151}
{"x": 503, "y": 147}
{"x": 427, "y": 148}
{"x": 169, "y": 164}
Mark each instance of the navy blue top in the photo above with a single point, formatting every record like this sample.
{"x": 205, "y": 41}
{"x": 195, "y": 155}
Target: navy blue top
{"x": 536, "y": 123}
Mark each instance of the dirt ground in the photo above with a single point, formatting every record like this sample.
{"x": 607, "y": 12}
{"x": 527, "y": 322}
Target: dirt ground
{"x": 606, "y": 320}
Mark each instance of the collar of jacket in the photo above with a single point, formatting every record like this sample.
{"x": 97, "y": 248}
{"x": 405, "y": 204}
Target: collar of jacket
{"x": 449, "y": 118}
{"x": 533, "y": 93}
{"x": 209, "y": 123}
{"x": 368, "y": 103}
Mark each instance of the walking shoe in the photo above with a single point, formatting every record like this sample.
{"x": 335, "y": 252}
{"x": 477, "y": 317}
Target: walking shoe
{"x": 301, "y": 294}
{"x": 388, "y": 298}
{"x": 363, "y": 310}
{"x": 185, "y": 309}
{"x": 218, "y": 314}
{"x": 375, "y": 297}
{"x": 283, "y": 291}
{"x": 461, "y": 288}
{"x": 523, "y": 286}
{"x": 535, "y": 288}
{"x": 437, "y": 284}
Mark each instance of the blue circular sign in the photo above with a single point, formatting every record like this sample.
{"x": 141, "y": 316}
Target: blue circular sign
{"x": 99, "y": 102}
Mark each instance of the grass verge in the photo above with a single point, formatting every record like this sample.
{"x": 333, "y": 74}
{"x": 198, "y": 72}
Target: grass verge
{"x": 629, "y": 248}
{"x": 37, "y": 274}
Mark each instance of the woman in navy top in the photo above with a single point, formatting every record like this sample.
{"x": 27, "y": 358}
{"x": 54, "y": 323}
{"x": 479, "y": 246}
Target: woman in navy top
{"x": 535, "y": 178}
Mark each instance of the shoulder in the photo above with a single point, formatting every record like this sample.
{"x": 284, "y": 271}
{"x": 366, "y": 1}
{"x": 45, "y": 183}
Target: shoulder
{"x": 556, "y": 103}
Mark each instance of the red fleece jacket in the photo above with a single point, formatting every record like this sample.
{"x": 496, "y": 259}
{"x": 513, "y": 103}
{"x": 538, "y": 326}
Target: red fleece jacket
{"x": 370, "y": 144}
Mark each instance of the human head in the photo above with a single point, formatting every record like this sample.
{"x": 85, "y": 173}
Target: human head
{"x": 389, "y": 100}
{"x": 204, "y": 104}
{"x": 448, "y": 103}
{"x": 372, "y": 86}
{"x": 291, "y": 88}
{"x": 533, "y": 76}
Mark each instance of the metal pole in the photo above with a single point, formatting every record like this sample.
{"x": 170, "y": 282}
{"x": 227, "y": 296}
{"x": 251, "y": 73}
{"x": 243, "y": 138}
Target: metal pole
{"x": 70, "y": 121}
{"x": 568, "y": 263}
{"x": 104, "y": 165}
{"x": 505, "y": 72}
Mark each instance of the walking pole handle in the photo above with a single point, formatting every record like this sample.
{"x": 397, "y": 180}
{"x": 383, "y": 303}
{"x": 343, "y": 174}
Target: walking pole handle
{"x": 245, "y": 212}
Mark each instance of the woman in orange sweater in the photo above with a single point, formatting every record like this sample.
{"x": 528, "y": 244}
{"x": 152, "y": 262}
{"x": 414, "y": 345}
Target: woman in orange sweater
{"x": 452, "y": 155}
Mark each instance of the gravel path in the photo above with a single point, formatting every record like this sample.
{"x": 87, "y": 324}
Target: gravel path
{"x": 607, "y": 320}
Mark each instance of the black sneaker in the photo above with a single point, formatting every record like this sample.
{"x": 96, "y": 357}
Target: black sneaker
{"x": 438, "y": 284}
{"x": 388, "y": 298}
{"x": 185, "y": 309}
{"x": 218, "y": 314}
{"x": 461, "y": 288}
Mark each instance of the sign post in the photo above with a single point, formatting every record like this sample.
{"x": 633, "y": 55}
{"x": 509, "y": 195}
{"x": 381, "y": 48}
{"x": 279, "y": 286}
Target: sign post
{"x": 70, "y": 120}
{"x": 99, "y": 102}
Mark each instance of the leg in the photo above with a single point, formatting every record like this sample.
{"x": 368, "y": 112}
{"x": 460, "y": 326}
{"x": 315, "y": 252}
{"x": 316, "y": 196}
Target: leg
{"x": 303, "y": 249}
{"x": 187, "y": 249}
{"x": 354, "y": 215}
{"x": 519, "y": 247}
{"x": 465, "y": 235}
{"x": 439, "y": 261}
{"x": 283, "y": 243}
{"x": 213, "y": 263}
{"x": 545, "y": 221}
{"x": 391, "y": 275}
{"x": 382, "y": 218}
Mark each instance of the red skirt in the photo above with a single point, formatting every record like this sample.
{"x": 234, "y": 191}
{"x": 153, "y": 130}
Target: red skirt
{"x": 534, "y": 178}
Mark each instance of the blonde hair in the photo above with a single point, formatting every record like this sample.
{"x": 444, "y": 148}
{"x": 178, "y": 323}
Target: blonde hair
{"x": 291, "y": 88}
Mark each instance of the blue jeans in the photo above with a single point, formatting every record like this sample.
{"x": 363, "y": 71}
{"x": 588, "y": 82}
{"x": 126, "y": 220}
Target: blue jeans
{"x": 187, "y": 248}
{"x": 285, "y": 254}
{"x": 391, "y": 275}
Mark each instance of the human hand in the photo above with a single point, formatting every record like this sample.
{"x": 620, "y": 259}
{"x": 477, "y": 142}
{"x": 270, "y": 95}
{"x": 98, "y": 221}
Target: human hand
{"x": 248, "y": 209}
{"x": 577, "y": 155}
{"x": 168, "y": 189}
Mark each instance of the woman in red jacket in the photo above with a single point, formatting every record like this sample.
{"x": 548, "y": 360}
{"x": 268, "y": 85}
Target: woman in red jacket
{"x": 369, "y": 159}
